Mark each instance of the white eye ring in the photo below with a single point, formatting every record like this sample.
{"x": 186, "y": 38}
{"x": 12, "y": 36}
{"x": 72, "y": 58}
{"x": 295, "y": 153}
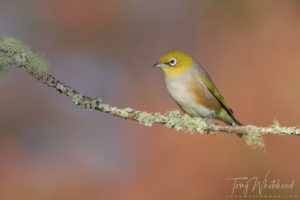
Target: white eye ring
{"x": 172, "y": 62}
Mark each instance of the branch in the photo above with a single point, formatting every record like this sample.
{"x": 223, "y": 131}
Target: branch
{"x": 13, "y": 52}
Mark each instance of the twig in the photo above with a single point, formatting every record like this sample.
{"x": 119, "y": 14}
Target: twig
{"x": 13, "y": 52}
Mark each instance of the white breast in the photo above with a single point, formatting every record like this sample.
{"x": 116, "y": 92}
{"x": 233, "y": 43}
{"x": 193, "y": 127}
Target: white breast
{"x": 178, "y": 91}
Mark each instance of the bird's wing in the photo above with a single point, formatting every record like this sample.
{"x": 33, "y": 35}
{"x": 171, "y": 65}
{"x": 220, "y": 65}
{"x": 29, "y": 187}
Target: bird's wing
{"x": 214, "y": 90}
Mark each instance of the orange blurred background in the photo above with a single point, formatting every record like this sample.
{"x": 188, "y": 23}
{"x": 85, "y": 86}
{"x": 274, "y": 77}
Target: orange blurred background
{"x": 51, "y": 149}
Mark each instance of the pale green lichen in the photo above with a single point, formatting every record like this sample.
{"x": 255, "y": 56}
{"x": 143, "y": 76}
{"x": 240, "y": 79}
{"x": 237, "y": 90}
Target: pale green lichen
{"x": 87, "y": 105}
{"x": 172, "y": 119}
{"x": 285, "y": 130}
{"x": 253, "y": 137}
{"x": 126, "y": 111}
{"x": 96, "y": 102}
{"x": 145, "y": 118}
{"x": 14, "y": 52}
{"x": 61, "y": 88}
{"x": 159, "y": 117}
{"x": 104, "y": 107}
{"x": 276, "y": 124}
{"x": 93, "y": 104}
{"x": 77, "y": 99}
{"x": 201, "y": 125}
{"x": 81, "y": 101}
{"x": 179, "y": 122}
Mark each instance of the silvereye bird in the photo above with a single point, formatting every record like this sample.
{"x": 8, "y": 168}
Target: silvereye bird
{"x": 192, "y": 88}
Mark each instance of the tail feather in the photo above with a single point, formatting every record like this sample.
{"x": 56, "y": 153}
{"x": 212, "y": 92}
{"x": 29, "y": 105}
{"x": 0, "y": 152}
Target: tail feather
{"x": 236, "y": 122}
{"x": 229, "y": 119}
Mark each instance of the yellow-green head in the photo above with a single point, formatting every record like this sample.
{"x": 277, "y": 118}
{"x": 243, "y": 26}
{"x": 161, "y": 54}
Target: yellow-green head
{"x": 173, "y": 63}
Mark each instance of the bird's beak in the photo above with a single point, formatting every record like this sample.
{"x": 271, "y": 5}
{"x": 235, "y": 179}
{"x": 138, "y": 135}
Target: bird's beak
{"x": 159, "y": 65}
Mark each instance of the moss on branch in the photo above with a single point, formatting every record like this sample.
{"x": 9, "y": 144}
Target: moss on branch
{"x": 16, "y": 53}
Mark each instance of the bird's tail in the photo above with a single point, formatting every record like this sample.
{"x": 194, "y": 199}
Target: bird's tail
{"x": 235, "y": 121}
{"x": 229, "y": 119}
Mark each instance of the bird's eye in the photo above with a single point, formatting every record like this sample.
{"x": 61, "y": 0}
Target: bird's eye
{"x": 172, "y": 62}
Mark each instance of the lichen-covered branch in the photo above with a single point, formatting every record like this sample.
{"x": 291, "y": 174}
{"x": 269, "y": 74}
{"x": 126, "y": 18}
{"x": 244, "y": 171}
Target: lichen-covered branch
{"x": 14, "y": 53}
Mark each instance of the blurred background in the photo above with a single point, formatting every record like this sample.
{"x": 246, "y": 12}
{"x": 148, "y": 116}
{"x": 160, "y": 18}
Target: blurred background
{"x": 51, "y": 149}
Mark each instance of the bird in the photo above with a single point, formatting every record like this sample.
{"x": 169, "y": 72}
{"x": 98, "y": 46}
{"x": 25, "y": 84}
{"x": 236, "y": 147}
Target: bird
{"x": 193, "y": 90}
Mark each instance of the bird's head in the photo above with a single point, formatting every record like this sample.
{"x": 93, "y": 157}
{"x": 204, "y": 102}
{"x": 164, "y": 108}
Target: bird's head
{"x": 174, "y": 63}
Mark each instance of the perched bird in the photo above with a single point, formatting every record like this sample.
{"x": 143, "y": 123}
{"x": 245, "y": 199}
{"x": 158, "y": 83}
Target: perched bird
{"x": 192, "y": 88}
